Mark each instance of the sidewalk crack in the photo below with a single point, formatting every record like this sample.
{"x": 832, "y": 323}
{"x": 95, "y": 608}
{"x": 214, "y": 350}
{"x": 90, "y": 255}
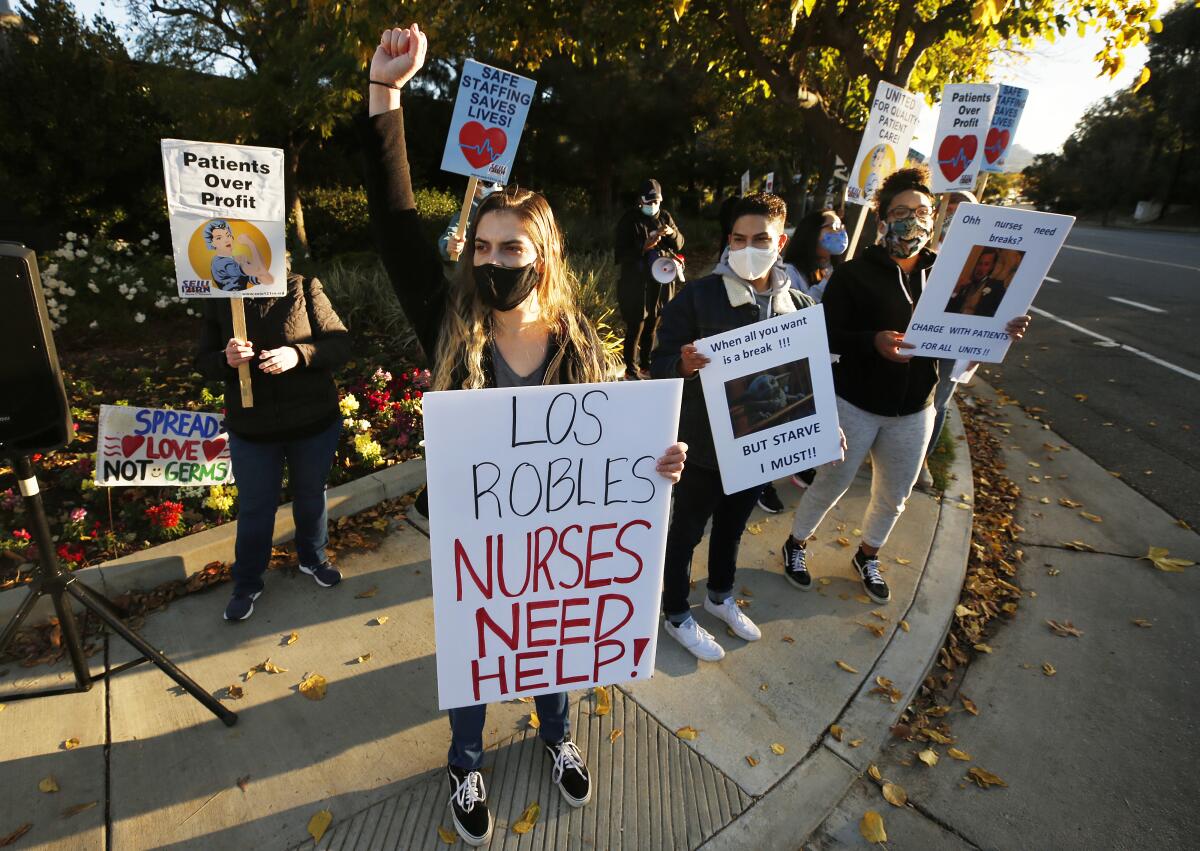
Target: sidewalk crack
{"x": 946, "y": 826}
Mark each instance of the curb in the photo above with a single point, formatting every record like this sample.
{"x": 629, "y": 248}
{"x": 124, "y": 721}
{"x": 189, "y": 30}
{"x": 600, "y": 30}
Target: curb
{"x": 797, "y": 805}
{"x": 181, "y": 558}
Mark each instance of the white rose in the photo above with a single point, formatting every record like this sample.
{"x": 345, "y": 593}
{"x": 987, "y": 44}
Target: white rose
{"x": 139, "y": 318}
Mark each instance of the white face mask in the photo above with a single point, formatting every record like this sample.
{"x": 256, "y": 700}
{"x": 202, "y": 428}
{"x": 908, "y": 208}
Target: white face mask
{"x": 752, "y": 263}
{"x": 650, "y": 209}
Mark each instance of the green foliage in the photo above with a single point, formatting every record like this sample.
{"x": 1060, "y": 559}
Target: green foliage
{"x": 338, "y": 221}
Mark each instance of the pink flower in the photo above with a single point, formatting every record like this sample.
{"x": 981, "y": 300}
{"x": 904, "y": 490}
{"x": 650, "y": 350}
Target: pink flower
{"x": 22, "y": 535}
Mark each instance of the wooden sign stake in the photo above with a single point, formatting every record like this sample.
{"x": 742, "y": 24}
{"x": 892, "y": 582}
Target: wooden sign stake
{"x": 863, "y": 212}
{"x": 468, "y": 199}
{"x": 938, "y": 219}
{"x": 239, "y": 331}
{"x": 983, "y": 181}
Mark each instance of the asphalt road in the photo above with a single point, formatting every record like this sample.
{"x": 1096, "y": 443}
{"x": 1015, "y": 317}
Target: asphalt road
{"x": 1121, "y": 381}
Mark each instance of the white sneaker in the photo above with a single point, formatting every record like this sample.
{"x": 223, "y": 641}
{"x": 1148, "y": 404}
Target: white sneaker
{"x": 729, "y": 612}
{"x": 696, "y": 639}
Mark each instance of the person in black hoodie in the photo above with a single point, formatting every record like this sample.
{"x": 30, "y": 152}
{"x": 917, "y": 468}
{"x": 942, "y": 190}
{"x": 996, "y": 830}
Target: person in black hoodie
{"x": 643, "y": 232}
{"x": 884, "y": 393}
{"x": 508, "y": 319}
{"x": 295, "y": 344}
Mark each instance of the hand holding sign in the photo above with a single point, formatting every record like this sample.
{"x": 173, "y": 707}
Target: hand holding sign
{"x": 891, "y": 345}
{"x": 399, "y": 56}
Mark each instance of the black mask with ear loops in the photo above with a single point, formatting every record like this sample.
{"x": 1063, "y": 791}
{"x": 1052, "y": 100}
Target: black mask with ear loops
{"x": 502, "y": 287}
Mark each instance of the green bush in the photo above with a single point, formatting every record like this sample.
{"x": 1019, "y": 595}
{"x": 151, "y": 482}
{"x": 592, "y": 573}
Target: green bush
{"x": 337, "y": 220}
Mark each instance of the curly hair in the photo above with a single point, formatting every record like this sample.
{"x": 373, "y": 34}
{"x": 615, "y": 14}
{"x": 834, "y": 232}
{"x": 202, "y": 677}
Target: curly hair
{"x": 915, "y": 178}
{"x": 760, "y": 204}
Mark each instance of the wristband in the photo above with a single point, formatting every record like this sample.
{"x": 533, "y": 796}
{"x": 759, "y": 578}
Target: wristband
{"x": 386, "y": 85}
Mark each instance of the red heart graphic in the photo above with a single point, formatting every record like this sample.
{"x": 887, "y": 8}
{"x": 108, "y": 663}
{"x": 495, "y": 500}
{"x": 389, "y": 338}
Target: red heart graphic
{"x": 213, "y": 448}
{"x": 131, "y": 444}
{"x": 996, "y": 144}
{"x": 479, "y": 145}
{"x": 955, "y": 154}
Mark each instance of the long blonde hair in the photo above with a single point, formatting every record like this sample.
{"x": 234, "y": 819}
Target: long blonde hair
{"x": 467, "y": 324}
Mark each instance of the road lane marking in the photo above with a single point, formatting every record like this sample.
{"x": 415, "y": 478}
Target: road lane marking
{"x": 1130, "y": 257}
{"x": 1109, "y": 340}
{"x": 1053, "y": 280}
{"x": 1136, "y": 304}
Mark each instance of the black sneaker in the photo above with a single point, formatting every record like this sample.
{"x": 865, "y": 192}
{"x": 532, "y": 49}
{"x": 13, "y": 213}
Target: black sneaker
{"x": 241, "y": 605}
{"x": 570, "y": 774}
{"x": 325, "y": 574}
{"x": 769, "y": 500}
{"x": 468, "y": 804}
{"x": 868, "y": 571}
{"x": 795, "y": 568}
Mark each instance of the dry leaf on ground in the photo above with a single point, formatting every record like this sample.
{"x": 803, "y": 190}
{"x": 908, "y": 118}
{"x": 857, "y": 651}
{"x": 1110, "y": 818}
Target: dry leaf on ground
{"x": 614, "y": 735}
{"x": 235, "y": 692}
{"x": 894, "y": 795}
{"x": 366, "y": 657}
{"x": 983, "y": 648}
{"x": 983, "y": 779}
{"x": 1160, "y": 558}
{"x": 366, "y": 595}
{"x": 1078, "y": 546}
{"x": 849, "y": 669}
{"x": 1095, "y": 518}
{"x": 836, "y": 731}
{"x": 243, "y": 782}
{"x": 78, "y": 808}
{"x": 48, "y": 784}
{"x": 969, "y": 704}
{"x": 778, "y": 749}
{"x": 534, "y": 722}
{"x": 843, "y": 540}
{"x": 903, "y": 560}
{"x": 603, "y": 701}
{"x": 528, "y": 819}
{"x": 955, "y": 753}
{"x": 319, "y": 823}
{"x": 929, "y": 757}
{"x": 873, "y": 628}
{"x": 1048, "y": 669}
{"x": 1065, "y": 629}
{"x": 5, "y": 841}
{"x": 752, "y": 761}
{"x": 962, "y": 611}
{"x": 381, "y": 620}
{"x": 314, "y": 687}
{"x": 70, "y": 744}
{"x": 871, "y": 827}
{"x": 1142, "y": 622}
{"x": 689, "y": 733}
{"x": 874, "y": 773}
{"x": 788, "y": 639}
{"x": 292, "y": 638}
{"x": 446, "y": 835}
{"x": 746, "y": 592}
{"x": 904, "y": 625}
{"x": 855, "y": 742}
{"x": 1069, "y": 503}
{"x": 881, "y": 615}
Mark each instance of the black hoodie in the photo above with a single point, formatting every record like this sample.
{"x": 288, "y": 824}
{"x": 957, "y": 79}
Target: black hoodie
{"x": 865, "y": 296}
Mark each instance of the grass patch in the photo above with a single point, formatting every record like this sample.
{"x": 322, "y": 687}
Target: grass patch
{"x": 941, "y": 459}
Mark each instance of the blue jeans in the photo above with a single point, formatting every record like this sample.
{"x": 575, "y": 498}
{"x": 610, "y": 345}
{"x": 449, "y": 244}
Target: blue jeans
{"x": 466, "y": 728}
{"x": 941, "y": 401}
{"x": 258, "y": 469}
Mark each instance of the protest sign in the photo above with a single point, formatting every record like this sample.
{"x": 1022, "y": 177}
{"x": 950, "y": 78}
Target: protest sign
{"x": 962, "y": 128}
{"x": 746, "y": 182}
{"x": 1010, "y": 103}
{"x": 226, "y": 208}
{"x": 770, "y": 400}
{"x": 489, "y": 116}
{"x": 885, "y": 141}
{"x": 153, "y": 446}
{"x": 547, "y": 527}
{"x": 990, "y": 267}
{"x": 769, "y": 182}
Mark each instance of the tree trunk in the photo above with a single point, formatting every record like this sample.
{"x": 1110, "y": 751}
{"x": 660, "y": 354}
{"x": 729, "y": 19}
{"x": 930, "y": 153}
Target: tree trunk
{"x": 292, "y": 193}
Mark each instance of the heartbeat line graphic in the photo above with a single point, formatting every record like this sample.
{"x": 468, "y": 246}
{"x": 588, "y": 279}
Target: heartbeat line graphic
{"x": 959, "y": 159}
{"x": 484, "y": 147}
{"x": 994, "y": 150}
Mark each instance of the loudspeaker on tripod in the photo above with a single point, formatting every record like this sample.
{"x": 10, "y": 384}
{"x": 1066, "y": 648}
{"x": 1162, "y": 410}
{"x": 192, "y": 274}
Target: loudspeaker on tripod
{"x": 34, "y": 414}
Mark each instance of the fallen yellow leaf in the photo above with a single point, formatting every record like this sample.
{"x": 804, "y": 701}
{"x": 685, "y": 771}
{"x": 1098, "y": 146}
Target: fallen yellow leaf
{"x": 235, "y": 692}
{"x": 446, "y": 835}
{"x": 903, "y": 560}
{"x": 528, "y": 819}
{"x": 48, "y": 784}
{"x": 862, "y": 598}
{"x": 871, "y": 827}
{"x": 904, "y": 625}
{"x": 894, "y": 795}
{"x": 292, "y": 638}
{"x": 534, "y": 721}
{"x": 381, "y": 620}
{"x": 846, "y": 667}
{"x": 753, "y": 762}
{"x": 843, "y": 540}
{"x": 1066, "y": 629}
{"x": 777, "y": 749}
{"x": 314, "y": 687}
{"x": 746, "y": 592}
{"x": 1095, "y": 518}
{"x": 929, "y": 757}
{"x": 983, "y": 779}
{"x": 688, "y": 733}
{"x": 603, "y": 701}
{"x": 969, "y": 704}
{"x": 873, "y": 628}
{"x": 1078, "y": 546}
{"x": 614, "y": 735}
{"x": 955, "y": 753}
{"x": 962, "y": 611}
{"x": 1048, "y": 669}
{"x": 366, "y": 657}
{"x": 319, "y": 823}
{"x": 936, "y": 736}
{"x": 70, "y": 744}
{"x": 1142, "y": 622}
{"x": 78, "y": 808}
{"x": 874, "y": 773}
{"x": 881, "y": 615}
{"x": 788, "y": 639}
{"x": 835, "y": 731}
{"x": 1160, "y": 558}
{"x": 1069, "y": 503}
{"x": 365, "y": 595}
{"x": 983, "y": 648}
{"x": 855, "y": 742}
{"x": 763, "y": 687}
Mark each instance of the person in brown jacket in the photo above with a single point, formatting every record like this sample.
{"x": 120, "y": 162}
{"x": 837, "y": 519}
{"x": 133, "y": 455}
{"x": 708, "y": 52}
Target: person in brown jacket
{"x": 296, "y": 341}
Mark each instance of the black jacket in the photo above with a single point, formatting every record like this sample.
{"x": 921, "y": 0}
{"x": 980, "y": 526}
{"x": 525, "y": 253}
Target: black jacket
{"x": 705, "y": 307}
{"x": 411, "y": 258}
{"x": 629, "y": 242}
{"x": 302, "y": 396}
{"x": 865, "y": 296}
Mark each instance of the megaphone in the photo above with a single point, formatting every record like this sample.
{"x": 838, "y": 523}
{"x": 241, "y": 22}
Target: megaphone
{"x": 666, "y": 269}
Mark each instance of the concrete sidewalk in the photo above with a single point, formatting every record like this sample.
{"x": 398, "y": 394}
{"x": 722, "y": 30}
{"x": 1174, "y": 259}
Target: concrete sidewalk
{"x": 1101, "y": 754}
{"x": 164, "y": 773}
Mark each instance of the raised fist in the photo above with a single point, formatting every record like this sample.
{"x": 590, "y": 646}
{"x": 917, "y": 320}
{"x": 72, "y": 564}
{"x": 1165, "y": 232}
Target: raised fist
{"x": 399, "y": 56}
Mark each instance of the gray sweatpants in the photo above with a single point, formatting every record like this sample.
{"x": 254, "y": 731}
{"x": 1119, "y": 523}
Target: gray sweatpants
{"x": 897, "y": 447}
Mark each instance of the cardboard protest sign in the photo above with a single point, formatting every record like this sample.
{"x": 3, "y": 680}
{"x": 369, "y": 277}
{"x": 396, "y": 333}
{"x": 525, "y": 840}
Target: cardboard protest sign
{"x": 770, "y": 399}
{"x": 489, "y": 116}
{"x": 153, "y": 446}
{"x": 746, "y": 182}
{"x": 226, "y": 208}
{"x": 990, "y": 267}
{"x": 1010, "y": 103}
{"x": 962, "y": 129}
{"x": 885, "y": 141}
{"x": 547, "y": 526}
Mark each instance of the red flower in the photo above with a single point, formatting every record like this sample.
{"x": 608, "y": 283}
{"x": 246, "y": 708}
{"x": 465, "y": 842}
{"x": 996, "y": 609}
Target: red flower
{"x": 165, "y": 515}
{"x": 22, "y": 535}
{"x": 71, "y": 552}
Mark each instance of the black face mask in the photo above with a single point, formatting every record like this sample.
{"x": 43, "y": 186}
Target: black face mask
{"x": 502, "y": 288}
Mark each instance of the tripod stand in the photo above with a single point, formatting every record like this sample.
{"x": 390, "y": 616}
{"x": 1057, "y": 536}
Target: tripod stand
{"x": 51, "y": 581}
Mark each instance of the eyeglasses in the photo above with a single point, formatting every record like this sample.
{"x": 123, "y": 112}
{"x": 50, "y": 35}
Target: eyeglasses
{"x": 898, "y": 213}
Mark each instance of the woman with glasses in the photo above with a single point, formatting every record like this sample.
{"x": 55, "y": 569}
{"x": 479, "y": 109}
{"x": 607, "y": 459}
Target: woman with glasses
{"x": 884, "y": 393}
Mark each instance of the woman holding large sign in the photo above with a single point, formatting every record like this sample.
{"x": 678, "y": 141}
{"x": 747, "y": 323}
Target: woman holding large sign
{"x": 508, "y": 319}
{"x": 884, "y": 394}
